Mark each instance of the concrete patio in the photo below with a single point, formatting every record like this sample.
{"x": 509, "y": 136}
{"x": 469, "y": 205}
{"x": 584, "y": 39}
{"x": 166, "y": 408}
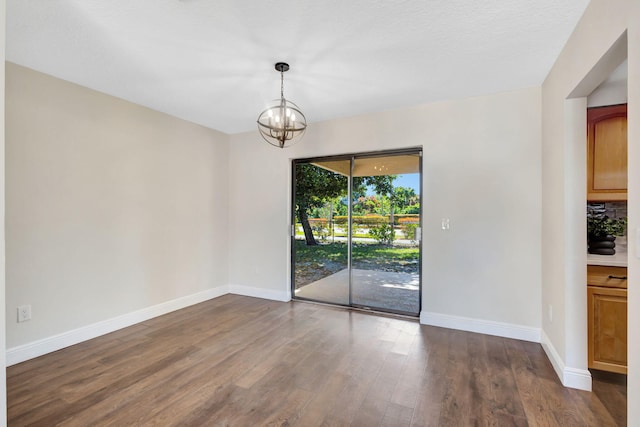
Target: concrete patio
{"x": 370, "y": 288}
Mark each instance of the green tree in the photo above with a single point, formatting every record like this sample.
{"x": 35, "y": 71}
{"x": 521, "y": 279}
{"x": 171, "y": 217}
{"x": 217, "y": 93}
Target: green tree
{"x": 314, "y": 186}
{"x": 404, "y": 197}
{"x": 366, "y": 205}
{"x": 382, "y": 185}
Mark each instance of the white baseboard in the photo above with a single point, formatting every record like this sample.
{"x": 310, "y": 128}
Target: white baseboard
{"x": 47, "y": 345}
{"x": 500, "y": 329}
{"x": 250, "y": 291}
{"x": 553, "y": 355}
{"x": 570, "y": 377}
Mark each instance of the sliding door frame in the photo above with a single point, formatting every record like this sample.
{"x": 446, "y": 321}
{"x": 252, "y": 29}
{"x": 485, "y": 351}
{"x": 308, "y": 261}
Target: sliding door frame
{"x": 352, "y": 158}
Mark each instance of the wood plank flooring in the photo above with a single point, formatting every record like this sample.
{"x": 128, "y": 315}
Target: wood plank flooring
{"x": 240, "y": 361}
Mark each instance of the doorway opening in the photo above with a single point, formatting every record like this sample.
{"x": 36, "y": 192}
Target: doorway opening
{"x": 606, "y": 202}
{"x": 356, "y": 234}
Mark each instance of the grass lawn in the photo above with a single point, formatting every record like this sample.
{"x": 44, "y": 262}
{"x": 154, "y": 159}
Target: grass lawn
{"x": 316, "y": 262}
{"x": 338, "y": 252}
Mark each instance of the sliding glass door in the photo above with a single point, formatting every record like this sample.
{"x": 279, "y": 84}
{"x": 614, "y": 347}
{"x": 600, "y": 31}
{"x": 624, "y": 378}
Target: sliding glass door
{"x": 385, "y": 272}
{"x": 320, "y": 235}
{"x": 356, "y": 234}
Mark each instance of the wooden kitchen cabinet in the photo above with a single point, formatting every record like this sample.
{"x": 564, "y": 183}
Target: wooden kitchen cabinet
{"x": 607, "y": 318}
{"x": 607, "y": 153}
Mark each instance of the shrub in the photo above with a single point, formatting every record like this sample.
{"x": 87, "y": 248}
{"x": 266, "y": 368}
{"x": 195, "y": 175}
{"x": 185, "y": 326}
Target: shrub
{"x": 367, "y": 220}
{"x": 370, "y": 220}
{"x": 383, "y": 233}
{"x": 412, "y": 219}
{"x": 409, "y": 230}
{"x": 319, "y": 227}
{"x": 320, "y": 232}
{"x": 340, "y": 220}
{"x": 415, "y": 209}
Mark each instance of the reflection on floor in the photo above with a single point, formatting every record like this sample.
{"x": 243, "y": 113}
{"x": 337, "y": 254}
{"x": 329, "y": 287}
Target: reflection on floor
{"x": 371, "y": 288}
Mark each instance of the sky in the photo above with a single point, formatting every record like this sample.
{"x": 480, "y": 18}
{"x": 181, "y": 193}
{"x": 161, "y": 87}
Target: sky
{"x": 411, "y": 180}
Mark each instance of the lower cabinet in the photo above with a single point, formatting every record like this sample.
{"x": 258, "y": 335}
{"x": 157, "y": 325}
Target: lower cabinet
{"x": 607, "y": 327}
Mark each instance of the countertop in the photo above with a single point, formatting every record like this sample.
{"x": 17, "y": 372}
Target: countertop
{"x": 617, "y": 260}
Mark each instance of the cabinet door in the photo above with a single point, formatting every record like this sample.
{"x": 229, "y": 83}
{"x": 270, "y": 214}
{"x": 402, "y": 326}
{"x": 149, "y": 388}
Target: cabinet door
{"x": 607, "y": 329}
{"x": 607, "y": 153}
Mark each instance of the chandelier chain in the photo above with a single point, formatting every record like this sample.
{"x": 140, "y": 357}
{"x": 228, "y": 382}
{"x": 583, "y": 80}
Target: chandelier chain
{"x": 281, "y": 84}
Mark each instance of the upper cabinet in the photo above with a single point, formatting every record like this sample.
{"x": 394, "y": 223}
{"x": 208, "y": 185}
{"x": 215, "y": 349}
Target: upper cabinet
{"x": 607, "y": 153}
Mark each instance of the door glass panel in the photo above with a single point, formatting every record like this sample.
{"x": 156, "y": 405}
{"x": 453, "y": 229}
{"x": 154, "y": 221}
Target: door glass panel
{"x": 385, "y": 263}
{"x": 320, "y": 245}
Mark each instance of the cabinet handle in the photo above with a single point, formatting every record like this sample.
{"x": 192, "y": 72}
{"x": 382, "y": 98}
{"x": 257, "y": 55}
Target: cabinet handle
{"x": 618, "y": 277}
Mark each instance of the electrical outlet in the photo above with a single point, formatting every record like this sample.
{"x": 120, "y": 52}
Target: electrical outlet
{"x": 24, "y": 313}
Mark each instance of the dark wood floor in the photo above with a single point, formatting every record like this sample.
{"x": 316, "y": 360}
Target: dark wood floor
{"x": 242, "y": 361}
{"x": 611, "y": 389}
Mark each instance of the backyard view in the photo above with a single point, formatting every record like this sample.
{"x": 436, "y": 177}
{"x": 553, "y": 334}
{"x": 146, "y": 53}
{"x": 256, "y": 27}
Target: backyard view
{"x": 330, "y": 254}
{"x": 385, "y": 218}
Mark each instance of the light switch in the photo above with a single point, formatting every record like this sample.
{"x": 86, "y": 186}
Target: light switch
{"x": 446, "y": 224}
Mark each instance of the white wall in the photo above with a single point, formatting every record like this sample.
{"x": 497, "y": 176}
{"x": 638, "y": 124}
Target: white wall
{"x": 481, "y": 170}
{"x": 3, "y": 335}
{"x": 612, "y": 91}
{"x": 111, "y": 208}
{"x": 595, "y": 49}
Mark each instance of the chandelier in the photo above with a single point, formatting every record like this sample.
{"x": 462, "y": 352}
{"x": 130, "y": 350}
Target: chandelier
{"x": 282, "y": 124}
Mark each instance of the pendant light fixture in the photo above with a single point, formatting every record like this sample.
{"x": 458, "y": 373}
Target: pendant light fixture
{"x": 282, "y": 124}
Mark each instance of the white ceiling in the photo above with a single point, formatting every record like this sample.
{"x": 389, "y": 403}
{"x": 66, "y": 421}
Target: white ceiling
{"x": 211, "y": 61}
